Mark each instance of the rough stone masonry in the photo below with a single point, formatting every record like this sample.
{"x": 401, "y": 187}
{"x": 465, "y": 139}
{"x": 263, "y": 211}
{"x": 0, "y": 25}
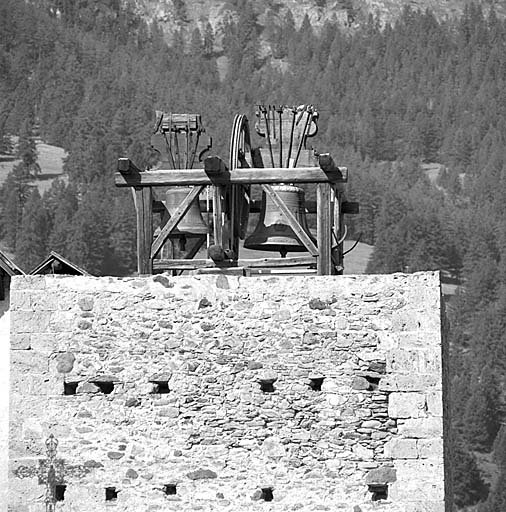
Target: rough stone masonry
{"x": 229, "y": 393}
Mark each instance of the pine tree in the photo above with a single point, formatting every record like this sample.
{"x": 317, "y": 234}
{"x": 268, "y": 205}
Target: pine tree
{"x": 5, "y": 140}
{"x": 31, "y": 244}
{"x": 13, "y": 194}
{"x": 61, "y": 204}
{"x": 500, "y": 448}
{"x": 481, "y": 418}
{"x": 469, "y": 487}
{"x": 26, "y": 150}
{"x": 209, "y": 40}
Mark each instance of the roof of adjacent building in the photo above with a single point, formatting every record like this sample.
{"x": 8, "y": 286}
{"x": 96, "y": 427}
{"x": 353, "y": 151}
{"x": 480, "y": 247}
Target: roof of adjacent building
{"x": 56, "y": 264}
{"x": 8, "y": 266}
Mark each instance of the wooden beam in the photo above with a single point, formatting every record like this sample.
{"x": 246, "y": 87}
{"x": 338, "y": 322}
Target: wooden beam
{"x": 290, "y": 217}
{"x": 296, "y": 261}
{"x": 214, "y": 165}
{"x": 174, "y": 220}
{"x": 126, "y": 166}
{"x": 324, "y": 229}
{"x": 143, "y": 200}
{"x": 175, "y": 177}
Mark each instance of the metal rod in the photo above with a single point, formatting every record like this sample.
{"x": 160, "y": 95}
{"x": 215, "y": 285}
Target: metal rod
{"x": 188, "y": 135}
{"x": 264, "y": 111}
{"x": 194, "y": 153}
{"x": 271, "y": 109}
{"x": 176, "y": 144}
{"x": 280, "y": 112}
{"x": 303, "y": 137}
{"x": 291, "y": 138}
{"x": 169, "y": 144}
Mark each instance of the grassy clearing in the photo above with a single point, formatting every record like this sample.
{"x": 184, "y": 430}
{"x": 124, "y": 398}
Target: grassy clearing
{"x": 50, "y": 159}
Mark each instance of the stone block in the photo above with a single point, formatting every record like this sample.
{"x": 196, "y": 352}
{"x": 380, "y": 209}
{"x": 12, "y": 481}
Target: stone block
{"x": 29, "y": 322}
{"x": 421, "y": 471}
{"x": 363, "y": 453}
{"x": 360, "y": 383}
{"x": 403, "y": 361}
{"x": 20, "y": 300}
{"x": 44, "y": 301}
{"x": 37, "y": 282}
{"x": 401, "y": 382}
{"x": 28, "y": 361}
{"x": 273, "y": 449}
{"x": 201, "y": 474}
{"x": 406, "y": 405}
{"x": 421, "y": 428}
{"x": 20, "y": 341}
{"x": 401, "y": 449}
{"x": 87, "y": 388}
{"x": 383, "y": 475}
{"x": 414, "y": 361}
{"x": 85, "y": 303}
{"x": 420, "y": 339}
{"x": 65, "y": 362}
{"x": 430, "y": 448}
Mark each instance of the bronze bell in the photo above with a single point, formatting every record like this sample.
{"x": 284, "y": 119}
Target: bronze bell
{"x": 272, "y": 232}
{"x": 192, "y": 222}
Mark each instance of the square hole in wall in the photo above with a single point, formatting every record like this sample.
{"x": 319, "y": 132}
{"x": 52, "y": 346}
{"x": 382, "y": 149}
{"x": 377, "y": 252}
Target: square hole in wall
{"x": 70, "y": 388}
{"x": 111, "y": 494}
{"x": 316, "y": 383}
{"x": 59, "y": 492}
{"x": 267, "y": 494}
{"x": 373, "y": 382}
{"x": 160, "y": 386}
{"x": 379, "y": 491}
{"x": 267, "y": 386}
{"x": 170, "y": 489}
{"x": 105, "y": 387}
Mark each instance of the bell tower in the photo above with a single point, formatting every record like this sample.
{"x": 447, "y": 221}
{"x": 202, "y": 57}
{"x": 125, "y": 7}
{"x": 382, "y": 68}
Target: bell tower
{"x": 269, "y": 180}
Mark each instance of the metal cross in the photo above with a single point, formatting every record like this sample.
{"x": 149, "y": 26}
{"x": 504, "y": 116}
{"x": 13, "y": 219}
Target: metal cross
{"x": 51, "y": 447}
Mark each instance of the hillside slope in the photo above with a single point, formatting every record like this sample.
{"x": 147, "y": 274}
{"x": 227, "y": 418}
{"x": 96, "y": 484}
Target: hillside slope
{"x": 172, "y": 15}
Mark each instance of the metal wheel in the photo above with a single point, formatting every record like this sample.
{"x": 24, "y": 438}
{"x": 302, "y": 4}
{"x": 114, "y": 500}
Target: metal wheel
{"x": 240, "y": 158}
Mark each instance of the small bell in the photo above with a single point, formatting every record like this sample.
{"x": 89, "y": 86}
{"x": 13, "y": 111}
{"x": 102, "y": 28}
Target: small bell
{"x": 273, "y": 233}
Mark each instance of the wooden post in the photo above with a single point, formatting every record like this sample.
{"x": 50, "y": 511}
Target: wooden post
{"x": 324, "y": 229}
{"x": 143, "y": 199}
{"x": 338, "y": 229}
{"x": 218, "y": 215}
{"x": 214, "y": 166}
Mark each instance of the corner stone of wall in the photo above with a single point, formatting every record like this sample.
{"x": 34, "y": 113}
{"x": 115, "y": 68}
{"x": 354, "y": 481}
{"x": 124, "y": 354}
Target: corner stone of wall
{"x": 209, "y": 393}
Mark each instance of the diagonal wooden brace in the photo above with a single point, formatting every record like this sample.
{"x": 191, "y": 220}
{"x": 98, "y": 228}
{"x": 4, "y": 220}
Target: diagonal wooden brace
{"x": 174, "y": 220}
{"x": 290, "y": 217}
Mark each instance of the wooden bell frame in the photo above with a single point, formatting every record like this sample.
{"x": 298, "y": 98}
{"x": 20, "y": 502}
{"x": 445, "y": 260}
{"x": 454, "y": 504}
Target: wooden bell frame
{"x": 231, "y": 198}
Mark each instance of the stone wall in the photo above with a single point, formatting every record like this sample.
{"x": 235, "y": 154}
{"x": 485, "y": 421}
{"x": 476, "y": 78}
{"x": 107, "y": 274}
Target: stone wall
{"x": 4, "y": 397}
{"x": 227, "y": 393}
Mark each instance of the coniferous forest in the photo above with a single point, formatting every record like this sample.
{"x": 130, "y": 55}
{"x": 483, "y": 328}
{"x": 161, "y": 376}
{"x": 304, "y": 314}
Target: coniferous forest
{"x": 391, "y": 99}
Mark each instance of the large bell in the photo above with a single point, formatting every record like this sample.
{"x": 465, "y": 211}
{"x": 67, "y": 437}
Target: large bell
{"x": 273, "y": 233}
{"x": 192, "y": 222}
